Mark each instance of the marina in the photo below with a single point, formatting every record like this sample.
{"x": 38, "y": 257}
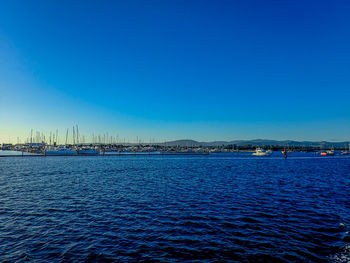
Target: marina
{"x": 43, "y": 149}
{"x": 39, "y": 144}
{"x": 230, "y": 154}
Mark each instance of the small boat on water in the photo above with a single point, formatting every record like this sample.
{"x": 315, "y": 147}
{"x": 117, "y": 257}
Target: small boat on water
{"x": 346, "y": 152}
{"x": 261, "y": 152}
{"x": 330, "y": 152}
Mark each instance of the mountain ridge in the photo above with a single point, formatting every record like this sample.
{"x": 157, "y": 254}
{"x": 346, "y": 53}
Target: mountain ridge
{"x": 255, "y": 142}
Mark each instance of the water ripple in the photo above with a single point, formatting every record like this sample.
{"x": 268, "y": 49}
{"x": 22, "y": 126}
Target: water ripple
{"x": 196, "y": 209}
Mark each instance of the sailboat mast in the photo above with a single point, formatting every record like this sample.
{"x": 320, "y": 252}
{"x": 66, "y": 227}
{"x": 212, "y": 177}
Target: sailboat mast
{"x": 66, "y": 136}
{"x": 77, "y": 135}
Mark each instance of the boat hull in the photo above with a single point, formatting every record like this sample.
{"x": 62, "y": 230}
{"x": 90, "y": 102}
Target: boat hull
{"x": 61, "y": 152}
{"x": 261, "y": 154}
{"x": 88, "y": 152}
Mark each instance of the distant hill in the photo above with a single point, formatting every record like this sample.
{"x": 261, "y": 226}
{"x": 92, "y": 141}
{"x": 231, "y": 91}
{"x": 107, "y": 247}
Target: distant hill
{"x": 256, "y": 142}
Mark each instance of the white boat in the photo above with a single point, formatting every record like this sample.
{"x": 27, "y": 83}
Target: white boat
{"x": 345, "y": 152}
{"x": 330, "y": 152}
{"x": 261, "y": 152}
{"x": 59, "y": 150}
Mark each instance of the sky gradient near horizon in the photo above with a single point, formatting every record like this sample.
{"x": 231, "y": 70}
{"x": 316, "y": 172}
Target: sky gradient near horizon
{"x": 165, "y": 70}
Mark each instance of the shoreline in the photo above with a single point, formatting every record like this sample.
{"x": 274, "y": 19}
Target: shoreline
{"x": 98, "y": 155}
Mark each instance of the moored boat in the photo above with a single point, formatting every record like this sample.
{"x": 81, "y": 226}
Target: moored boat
{"x": 60, "y": 150}
{"x": 88, "y": 151}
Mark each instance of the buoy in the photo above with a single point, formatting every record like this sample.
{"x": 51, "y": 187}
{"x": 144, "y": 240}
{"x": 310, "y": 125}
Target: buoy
{"x": 285, "y": 153}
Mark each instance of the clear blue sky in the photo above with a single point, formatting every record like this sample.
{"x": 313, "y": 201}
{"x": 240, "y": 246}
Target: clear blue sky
{"x": 206, "y": 70}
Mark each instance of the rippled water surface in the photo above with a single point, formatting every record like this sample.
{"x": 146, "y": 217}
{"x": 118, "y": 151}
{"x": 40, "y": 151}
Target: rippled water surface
{"x": 161, "y": 208}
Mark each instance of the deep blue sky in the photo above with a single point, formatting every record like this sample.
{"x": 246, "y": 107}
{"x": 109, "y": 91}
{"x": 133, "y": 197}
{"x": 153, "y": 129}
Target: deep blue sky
{"x": 207, "y": 70}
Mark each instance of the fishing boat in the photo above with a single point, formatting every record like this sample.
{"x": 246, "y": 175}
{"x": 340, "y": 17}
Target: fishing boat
{"x": 261, "y": 152}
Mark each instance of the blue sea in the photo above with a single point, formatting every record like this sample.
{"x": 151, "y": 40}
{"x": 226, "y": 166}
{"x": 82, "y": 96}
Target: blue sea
{"x": 215, "y": 208}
